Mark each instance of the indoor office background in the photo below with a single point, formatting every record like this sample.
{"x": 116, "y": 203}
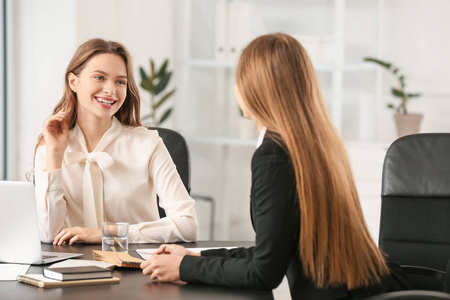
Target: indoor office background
{"x": 202, "y": 39}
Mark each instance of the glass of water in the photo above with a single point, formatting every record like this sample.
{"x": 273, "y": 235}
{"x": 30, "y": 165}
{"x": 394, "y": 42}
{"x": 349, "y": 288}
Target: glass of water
{"x": 115, "y": 234}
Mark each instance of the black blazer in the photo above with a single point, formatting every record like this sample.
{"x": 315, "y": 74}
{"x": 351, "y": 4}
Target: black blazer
{"x": 275, "y": 218}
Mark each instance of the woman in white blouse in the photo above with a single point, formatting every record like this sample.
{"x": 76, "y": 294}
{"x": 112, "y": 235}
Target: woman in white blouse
{"x": 95, "y": 162}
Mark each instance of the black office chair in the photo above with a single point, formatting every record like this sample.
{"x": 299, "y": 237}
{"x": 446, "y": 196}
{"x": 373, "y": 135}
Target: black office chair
{"x": 412, "y": 295}
{"x": 179, "y": 151}
{"x": 415, "y": 209}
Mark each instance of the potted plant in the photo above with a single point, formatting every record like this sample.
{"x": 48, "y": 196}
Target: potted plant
{"x": 407, "y": 123}
{"x": 155, "y": 83}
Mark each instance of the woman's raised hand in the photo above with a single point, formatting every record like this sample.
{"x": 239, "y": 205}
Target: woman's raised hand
{"x": 56, "y": 136}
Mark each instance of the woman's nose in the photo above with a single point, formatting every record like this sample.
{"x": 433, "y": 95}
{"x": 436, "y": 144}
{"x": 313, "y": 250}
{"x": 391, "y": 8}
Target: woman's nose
{"x": 109, "y": 88}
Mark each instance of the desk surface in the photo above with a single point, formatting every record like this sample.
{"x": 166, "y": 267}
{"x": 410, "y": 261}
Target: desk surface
{"x": 133, "y": 285}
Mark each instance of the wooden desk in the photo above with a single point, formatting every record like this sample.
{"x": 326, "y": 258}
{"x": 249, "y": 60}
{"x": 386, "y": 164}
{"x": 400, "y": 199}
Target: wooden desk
{"x": 133, "y": 285}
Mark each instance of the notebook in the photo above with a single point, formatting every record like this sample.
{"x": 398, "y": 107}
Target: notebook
{"x": 120, "y": 259}
{"x": 19, "y": 227}
{"x": 76, "y": 273}
{"x": 43, "y": 282}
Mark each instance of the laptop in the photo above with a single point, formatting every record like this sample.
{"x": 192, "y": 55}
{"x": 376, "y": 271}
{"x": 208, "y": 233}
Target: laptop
{"x": 19, "y": 227}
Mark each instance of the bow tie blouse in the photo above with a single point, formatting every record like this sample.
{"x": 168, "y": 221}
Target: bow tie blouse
{"x": 118, "y": 181}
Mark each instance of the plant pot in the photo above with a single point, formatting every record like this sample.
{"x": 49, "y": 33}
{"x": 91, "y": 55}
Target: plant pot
{"x": 408, "y": 124}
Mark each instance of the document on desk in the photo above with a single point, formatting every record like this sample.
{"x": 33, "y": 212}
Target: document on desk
{"x": 10, "y": 272}
{"x": 146, "y": 253}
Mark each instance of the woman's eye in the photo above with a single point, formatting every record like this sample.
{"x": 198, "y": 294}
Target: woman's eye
{"x": 99, "y": 77}
{"x": 121, "y": 82}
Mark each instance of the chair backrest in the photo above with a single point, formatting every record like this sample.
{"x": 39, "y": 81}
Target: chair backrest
{"x": 415, "y": 209}
{"x": 412, "y": 295}
{"x": 179, "y": 151}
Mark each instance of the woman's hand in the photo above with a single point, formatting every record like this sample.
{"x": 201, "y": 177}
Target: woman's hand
{"x": 80, "y": 234}
{"x": 175, "y": 250}
{"x": 56, "y": 131}
{"x": 56, "y": 136}
{"x": 163, "y": 268}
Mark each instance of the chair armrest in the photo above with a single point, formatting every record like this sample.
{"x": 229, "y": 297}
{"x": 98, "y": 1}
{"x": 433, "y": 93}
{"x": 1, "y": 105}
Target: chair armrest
{"x": 212, "y": 213}
{"x": 411, "y": 295}
{"x": 201, "y": 197}
{"x": 429, "y": 272}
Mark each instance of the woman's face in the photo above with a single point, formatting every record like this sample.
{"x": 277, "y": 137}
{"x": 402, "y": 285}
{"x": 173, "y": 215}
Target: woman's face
{"x": 101, "y": 87}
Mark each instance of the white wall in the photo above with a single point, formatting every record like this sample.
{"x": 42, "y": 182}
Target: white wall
{"x": 46, "y": 33}
{"x": 43, "y": 39}
{"x": 416, "y": 38}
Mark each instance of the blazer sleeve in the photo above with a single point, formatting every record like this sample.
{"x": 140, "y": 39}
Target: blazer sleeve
{"x": 264, "y": 266}
{"x": 236, "y": 253}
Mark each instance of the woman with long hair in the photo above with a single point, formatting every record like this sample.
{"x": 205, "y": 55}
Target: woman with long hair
{"x": 95, "y": 162}
{"x": 304, "y": 205}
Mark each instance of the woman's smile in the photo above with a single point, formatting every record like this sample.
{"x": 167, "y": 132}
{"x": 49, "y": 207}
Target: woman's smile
{"x": 105, "y": 101}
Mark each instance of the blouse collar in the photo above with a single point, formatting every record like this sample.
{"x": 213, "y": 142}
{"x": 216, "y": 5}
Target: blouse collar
{"x": 262, "y": 133}
{"x": 110, "y": 135}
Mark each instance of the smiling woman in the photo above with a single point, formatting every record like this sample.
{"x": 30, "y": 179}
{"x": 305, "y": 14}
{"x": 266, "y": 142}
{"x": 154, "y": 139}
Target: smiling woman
{"x": 101, "y": 89}
{"x": 93, "y": 146}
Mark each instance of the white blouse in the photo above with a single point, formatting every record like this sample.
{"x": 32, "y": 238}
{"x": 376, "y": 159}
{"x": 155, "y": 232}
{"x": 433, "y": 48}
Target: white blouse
{"x": 118, "y": 181}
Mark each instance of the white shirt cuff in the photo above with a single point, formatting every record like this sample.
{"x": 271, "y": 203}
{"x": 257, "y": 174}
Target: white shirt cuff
{"x": 133, "y": 237}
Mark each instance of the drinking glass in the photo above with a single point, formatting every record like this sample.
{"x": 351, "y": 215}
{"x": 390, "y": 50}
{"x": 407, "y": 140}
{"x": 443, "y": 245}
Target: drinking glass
{"x": 115, "y": 234}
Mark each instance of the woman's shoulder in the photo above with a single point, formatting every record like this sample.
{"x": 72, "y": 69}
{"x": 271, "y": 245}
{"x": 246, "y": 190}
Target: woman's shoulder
{"x": 271, "y": 146}
{"x": 271, "y": 150}
{"x": 140, "y": 132}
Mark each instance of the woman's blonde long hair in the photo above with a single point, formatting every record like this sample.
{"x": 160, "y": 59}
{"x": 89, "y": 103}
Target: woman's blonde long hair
{"x": 129, "y": 113}
{"x": 278, "y": 84}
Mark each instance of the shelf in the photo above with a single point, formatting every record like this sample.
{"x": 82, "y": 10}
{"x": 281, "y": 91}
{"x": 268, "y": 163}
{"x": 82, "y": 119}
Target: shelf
{"x": 211, "y": 63}
{"x": 222, "y": 140}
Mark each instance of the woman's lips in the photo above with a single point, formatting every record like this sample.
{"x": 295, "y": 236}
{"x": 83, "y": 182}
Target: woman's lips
{"x": 105, "y": 102}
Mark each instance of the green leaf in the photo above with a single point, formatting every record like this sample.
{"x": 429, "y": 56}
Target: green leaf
{"x": 143, "y": 74}
{"x": 162, "y": 83}
{"x": 163, "y": 68}
{"x": 165, "y": 115}
{"x": 402, "y": 81}
{"x": 390, "y": 105}
{"x": 395, "y": 71}
{"x": 384, "y": 64}
{"x": 163, "y": 99}
{"x": 147, "y": 85}
{"x": 152, "y": 68}
{"x": 413, "y": 95}
{"x": 397, "y": 93}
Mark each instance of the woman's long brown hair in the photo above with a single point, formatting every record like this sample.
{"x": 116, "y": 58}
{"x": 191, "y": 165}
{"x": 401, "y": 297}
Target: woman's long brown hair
{"x": 129, "y": 113}
{"x": 278, "y": 83}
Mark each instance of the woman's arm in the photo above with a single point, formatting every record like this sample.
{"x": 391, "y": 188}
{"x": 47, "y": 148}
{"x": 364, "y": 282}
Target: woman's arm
{"x": 180, "y": 223}
{"x": 51, "y": 204}
{"x": 232, "y": 253}
{"x": 276, "y": 225}
{"x": 273, "y": 217}
{"x": 48, "y": 176}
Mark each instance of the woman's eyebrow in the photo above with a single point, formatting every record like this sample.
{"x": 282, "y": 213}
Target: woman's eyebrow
{"x": 103, "y": 72}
